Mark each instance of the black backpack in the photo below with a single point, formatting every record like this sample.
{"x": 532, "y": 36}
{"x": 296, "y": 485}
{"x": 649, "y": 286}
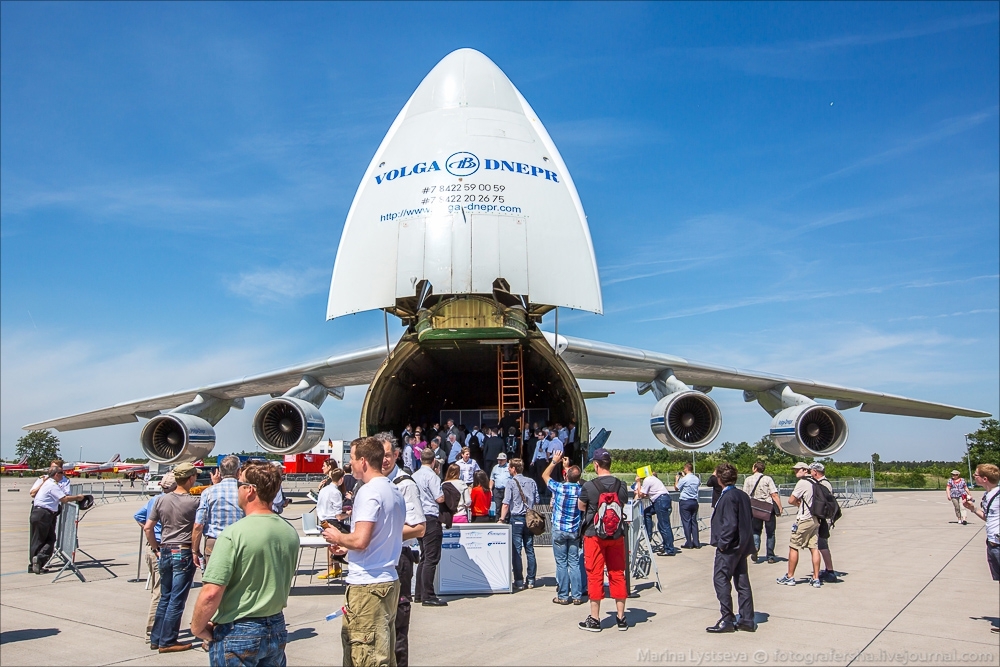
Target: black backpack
{"x": 824, "y": 504}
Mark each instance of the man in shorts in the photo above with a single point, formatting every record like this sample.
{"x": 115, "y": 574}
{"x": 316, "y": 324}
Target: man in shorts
{"x": 805, "y": 530}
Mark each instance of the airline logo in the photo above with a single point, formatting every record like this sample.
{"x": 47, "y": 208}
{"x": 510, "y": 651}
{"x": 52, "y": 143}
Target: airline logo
{"x": 464, "y": 164}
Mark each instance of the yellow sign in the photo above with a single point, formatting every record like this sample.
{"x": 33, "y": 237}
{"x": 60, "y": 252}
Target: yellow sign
{"x": 644, "y": 472}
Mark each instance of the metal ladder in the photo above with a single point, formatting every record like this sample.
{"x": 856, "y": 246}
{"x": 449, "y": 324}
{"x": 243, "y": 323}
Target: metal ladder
{"x": 510, "y": 382}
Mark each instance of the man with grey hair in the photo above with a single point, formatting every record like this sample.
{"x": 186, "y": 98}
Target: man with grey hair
{"x": 219, "y": 508}
{"x": 818, "y": 472}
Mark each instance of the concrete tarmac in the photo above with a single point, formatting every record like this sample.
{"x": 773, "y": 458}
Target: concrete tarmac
{"x": 917, "y": 590}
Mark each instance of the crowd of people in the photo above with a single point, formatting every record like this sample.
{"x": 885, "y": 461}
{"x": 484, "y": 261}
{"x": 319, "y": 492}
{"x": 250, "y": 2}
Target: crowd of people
{"x": 384, "y": 512}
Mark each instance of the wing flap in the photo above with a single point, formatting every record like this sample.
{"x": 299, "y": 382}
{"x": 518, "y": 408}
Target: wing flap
{"x": 353, "y": 368}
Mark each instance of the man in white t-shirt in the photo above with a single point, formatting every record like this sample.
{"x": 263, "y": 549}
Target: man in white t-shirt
{"x": 805, "y": 530}
{"x": 374, "y": 544}
{"x": 413, "y": 529}
{"x": 988, "y": 476}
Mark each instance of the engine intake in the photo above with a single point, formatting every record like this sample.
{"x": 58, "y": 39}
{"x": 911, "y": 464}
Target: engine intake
{"x": 177, "y": 437}
{"x": 809, "y": 430}
{"x": 287, "y": 425}
{"x": 686, "y": 420}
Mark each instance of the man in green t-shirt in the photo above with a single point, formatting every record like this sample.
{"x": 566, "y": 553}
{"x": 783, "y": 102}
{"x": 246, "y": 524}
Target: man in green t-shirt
{"x": 246, "y": 585}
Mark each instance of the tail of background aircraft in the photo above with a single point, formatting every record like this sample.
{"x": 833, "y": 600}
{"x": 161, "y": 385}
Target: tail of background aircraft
{"x": 22, "y": 462}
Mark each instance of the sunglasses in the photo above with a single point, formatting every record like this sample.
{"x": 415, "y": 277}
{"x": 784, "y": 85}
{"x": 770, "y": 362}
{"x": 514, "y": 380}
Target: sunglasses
{"x": 239, "y": 484}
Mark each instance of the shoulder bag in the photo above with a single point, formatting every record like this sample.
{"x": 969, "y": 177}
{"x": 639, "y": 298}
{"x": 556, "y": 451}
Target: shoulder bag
{"x": 532, "y": 519}
{"x": 762, "y": 509}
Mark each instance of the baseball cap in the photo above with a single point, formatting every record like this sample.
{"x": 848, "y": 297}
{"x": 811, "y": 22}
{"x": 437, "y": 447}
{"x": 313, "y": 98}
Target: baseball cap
{"x": 168, "y": 482}
{"x": 800, "y": 466}
{"x": 183, "y": 471}
{"x": 602, "y": 456}
{"x": 501, "y": 457}
{"x": 817, "y": 466}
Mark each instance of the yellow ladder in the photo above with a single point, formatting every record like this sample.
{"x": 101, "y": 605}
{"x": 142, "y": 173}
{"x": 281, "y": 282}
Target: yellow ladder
{"x": 510, "y": 383}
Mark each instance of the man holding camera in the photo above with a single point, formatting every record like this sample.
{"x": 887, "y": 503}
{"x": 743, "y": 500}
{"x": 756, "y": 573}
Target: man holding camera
{"x": 375, "y": 541}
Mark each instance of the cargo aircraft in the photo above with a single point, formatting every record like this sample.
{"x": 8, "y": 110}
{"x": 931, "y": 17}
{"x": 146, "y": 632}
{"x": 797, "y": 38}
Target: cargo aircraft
{"x": 448, "y": 231}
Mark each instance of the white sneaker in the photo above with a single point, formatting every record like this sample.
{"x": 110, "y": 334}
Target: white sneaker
{"x": 786, "y": 581}
{"x": 816, "y": 583}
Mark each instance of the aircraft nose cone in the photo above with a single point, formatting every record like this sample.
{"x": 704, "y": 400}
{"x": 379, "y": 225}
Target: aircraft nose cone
{"x": 464, "y": 78}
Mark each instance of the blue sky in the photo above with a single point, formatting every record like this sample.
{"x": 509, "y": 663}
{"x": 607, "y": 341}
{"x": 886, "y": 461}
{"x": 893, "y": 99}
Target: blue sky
{"x": 807, "y": 189}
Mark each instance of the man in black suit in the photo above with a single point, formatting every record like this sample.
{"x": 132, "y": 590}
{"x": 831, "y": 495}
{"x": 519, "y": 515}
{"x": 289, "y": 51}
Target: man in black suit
{"x": 492, "y": 447}
{"x": 732, "y": 535}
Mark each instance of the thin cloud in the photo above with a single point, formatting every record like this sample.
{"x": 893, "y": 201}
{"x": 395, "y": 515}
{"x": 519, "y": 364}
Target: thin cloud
{"x": 965, "y": 313}
{"x": 798, "y": 59}
{"x": 809, "y": 296}
{"x": 279, "y": 285}
{"x": 946, "y": 128}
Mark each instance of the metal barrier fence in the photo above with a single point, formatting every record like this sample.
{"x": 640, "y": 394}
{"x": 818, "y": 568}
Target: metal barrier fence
{"x": 545, "y": 539}
{"x": 848, "y": 492}
{"x": 107, "y": 492}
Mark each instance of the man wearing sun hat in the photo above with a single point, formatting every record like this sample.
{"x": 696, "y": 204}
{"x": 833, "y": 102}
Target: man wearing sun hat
{"x": 176, "y": 513}
{"x": 818, "y": 472}
{"x": 499, "y": 477}
{"x": 805, "y": 530}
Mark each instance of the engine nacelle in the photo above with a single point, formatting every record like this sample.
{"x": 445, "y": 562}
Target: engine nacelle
{"x": 176, "y": 437}
{"x": 287, "y": 425}
{"x": 809, "y": 430}
{"x": 686, "y": 420}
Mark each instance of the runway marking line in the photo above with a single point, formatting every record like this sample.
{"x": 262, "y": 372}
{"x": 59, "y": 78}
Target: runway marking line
{"x": 943, "y": 567}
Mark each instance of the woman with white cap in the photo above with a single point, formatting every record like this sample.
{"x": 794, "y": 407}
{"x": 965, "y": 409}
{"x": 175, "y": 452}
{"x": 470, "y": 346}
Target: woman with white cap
{"x": 957, "y": 492}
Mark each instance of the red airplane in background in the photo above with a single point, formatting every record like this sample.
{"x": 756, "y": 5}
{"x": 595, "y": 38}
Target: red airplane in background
{"x": 20, "y": 466}
{"x": 116, "y": 465}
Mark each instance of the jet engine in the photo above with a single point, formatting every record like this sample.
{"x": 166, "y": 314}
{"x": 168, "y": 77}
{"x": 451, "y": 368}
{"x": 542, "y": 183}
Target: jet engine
{"x": 288, "y": 425}
{"x": 683, "y": 418}
{"x": 686, "y": 420}
{"x": 809, "y": 430}
{"x": 175, "y": 437}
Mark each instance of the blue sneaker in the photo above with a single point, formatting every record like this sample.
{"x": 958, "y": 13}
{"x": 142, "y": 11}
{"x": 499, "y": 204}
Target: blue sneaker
{"x": 786, "y": 581}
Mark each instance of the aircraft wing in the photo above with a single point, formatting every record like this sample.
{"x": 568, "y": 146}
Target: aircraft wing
{"x": 592, "y": 360}
{"x": 343, "y": 370}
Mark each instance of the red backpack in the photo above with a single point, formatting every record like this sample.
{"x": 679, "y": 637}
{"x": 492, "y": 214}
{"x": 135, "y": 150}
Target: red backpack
{"x": 609, "y": 520}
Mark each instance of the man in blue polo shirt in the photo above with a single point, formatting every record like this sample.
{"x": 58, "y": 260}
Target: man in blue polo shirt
{"x": 565, "y": 531}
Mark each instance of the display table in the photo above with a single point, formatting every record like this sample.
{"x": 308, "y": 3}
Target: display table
{"x": 475, "y": 559}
